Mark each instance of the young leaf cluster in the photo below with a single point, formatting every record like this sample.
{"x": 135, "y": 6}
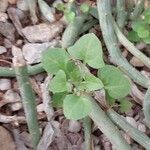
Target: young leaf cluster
{"x": 70, "y": 10}
{"x": 73, "y": 82}
{"x": 141, "y": 28}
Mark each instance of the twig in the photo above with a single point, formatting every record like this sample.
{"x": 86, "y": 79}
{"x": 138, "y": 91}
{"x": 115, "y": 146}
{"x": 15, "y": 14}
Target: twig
{"x": 146, "y": 107}
{"x": 134, "y": 133}
{"x": 87, "y": 123}
{"x": 28, "y": 97}
{"x": 107, "y": 127}
{"x": 130, "y": 46}
{"x": 47, "y": 99}
{"x": 10, "y": 119}
{"x": 137, "y": 10}
{"x": 121, "y": 13}
{"x": 106, "y": 23}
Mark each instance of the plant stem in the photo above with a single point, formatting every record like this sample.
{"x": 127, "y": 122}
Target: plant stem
{"x": 130, "y": 46}
{"x": 87, "y": 123}
{"x": 107, "y": 127}
{"x": 88, "y": 25}
{"x": 134, "y": 133}
{"x": 10, "y": 72}
{"x": 146, "y": 107}
{"x": 106, "y": 23}
{"x": 28, "y": 97}
{"x": 137, "y": 10}
{"x": 121, "y": 13}
{"x": 72, "y": 31}
{"x": 32, "y": 7}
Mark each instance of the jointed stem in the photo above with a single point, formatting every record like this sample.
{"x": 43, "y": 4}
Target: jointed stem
{"x": 121, "y": 13}
{"x": 28, "y": 97}
{"x": 10, "y": 72}
{"x": 130, "y": 47}
{"x": 137, "y": 10}
{"x": 87, "y": 123}
{"x": 107, "y": 127}
{"x": 106, "y": 23}
{"x": 134, "y": 133}
{"x": 146, "y": 107}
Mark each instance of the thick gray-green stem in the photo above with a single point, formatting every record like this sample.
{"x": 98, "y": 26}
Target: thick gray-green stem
{"x": 137, "y": 10}
{"x": 106, "y": 24}
{"x": 121, "y": 13}
{"x": 107, "y": 127}
{"x": 87, "y": 124}
{"x": 72, "y": 31}
{"x": 28, "y": 97}
{"x": 130, "y": 46}
{"x": 10, "y": 72}
{"x": 146, "y": 107}
{"x": 134, "y": 133}
{"x": 32, "y": 8}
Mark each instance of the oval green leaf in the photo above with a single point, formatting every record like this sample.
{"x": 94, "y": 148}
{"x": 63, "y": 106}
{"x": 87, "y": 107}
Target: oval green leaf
{"x": 76, "y": 107}
{"x": 59, "y": 83}
{"x": 88, "y": 48}
{"x": 54, "y": 59}
{"x": 115, "y": 83}
{"x": 91, "y": 83}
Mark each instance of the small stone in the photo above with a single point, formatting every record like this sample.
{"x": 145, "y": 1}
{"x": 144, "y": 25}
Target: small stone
{"x": 5, "y": 84}
{"x": 3, "y": 17}
{"x": 74, "y": 126}
{"x": 12, "y": 96}
{"x": 7, "y": 30}
{"x": 142, "y": 127}
{"x": 15, "y": 106}
{"x": 3, "y": 5}
{"x": 128, "y": 138}
{"x": 32, "y": 51}
{"x": 40, "y": 108}
{"x": 131, "y": 121}
{"x": 21, "y": 15}
{"x": 145, "y": 73}
{"x": 6, "y": 140}
{"x": 7, "y": 43}
{"x": 136, "y": 62}
{"x": 12, "y": 1}
{"x": 42, "y": 32}
{"x": 97, "y": 147}
{"x": 2, "y": 50}
{"x": 22, "y": 5}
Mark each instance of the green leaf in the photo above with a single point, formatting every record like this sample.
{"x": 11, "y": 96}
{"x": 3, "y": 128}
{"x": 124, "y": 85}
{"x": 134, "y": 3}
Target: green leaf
{"x": 137, "y": 24}
{"x": 57, "y": 99}
{"x": 69, "y": 16}
{"x": 85, "y": 8}
{"x": 133, "y": 36}
{"x": 76, "y": 107}
{"x": 125, "y": 105}
{"x": 59, "y": 83}
{"x": 147, "y": 40}
{"x": 111, "y": 101}
{"x": 91, "y": 83}
{"x": 88, "y": 48}
{"x": 74, "y": 71}
{"x": 115, "y": 83}
{"x": 54, "y": 59}
{"x": 60, "y": 6}
{"x": 147, "y": 19}
{"x": 143, "y": 32}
